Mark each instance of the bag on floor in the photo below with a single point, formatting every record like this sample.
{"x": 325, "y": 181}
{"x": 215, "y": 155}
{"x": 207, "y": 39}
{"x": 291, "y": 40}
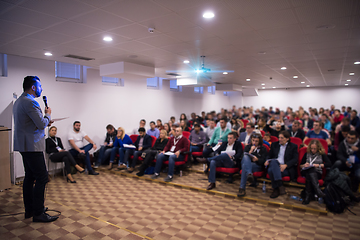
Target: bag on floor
{"x": 150, "y": 170}
{"x": 335, "y": 199}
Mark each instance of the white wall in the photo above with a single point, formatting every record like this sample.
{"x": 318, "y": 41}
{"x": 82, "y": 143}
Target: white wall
{"x": 97, "y": 105}
{"x": 306, "y": 97}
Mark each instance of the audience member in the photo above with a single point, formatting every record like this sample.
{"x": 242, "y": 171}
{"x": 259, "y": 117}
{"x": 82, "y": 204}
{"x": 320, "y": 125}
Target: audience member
{"x": 174, "y": 151}
{"x": 337, "y": 117}
{"x": 317, "y": 133}
{"x": 159, "y": 124}
{"x": 219, "y": 135}
{"x": 167, "y": 128}
{"x": 151, "y": 153}
{"x": 267, "y": 139}
{"x": 197, "y": 139}
{"x": 312, "y": 165}
{"x": 340, "y": 136}
{"x": 120, "y": 140}
{"x": 245, "y": 136}
{"x": 354, "y": 119}
{"x": 228, "y": 124}
{"x": 210, "y": 129}
{"x": 230, "y": 153}
{"x": 296, "y": 131}
{"x": 142, "y": 124}
{"x": 307, "y": 122}
{"x": 76, "y": 138}
{"x": 153, "y": 131}
{"x": 326, "y": 121}
{"x": 105, "y": 150}
{"x": 252, "y": 161}
{"x": 344, "y": 122}
{"x": 283, "y": 159}
{"x": 184, "y": 126}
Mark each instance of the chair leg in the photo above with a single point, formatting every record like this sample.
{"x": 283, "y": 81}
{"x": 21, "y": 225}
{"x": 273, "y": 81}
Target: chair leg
{"x": 230, "y": 179}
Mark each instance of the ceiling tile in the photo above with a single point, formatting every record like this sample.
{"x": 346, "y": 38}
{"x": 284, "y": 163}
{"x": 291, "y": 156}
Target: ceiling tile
{"x": 83, "y": 44}
{"x": 53, "y": 37}
{"x": 16, "y": 28}
{"x": 160, "y": 40}
{"x": 176, "y": 5}
{"x": 73, "y": 29}
{"x": 253, "y": 7}
{"x": 133, "y": 31}
{"x": 191, "y": 34}
{"x": 272, "y": 19}
{"x": 168, "y": 23}
{"x": 134, "y": 46}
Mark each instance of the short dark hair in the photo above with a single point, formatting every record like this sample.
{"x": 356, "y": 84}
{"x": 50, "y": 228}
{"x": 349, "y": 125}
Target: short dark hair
{"x": 29, "y": 81}
{"x": 234, "y": 134}
{"x": 76, "y": 122}
{"x": 257, "y": 135}
{"x": 143, "y": 120}
{"x": 141, "y": 129}
{"x": 251, "y": 124}
{"x": 196, "y": 125}
{"x": 352, "y": 133}
{"x": 159, "y": 120}
{"x": 286, "y": 134}
{"x": 223, "y": 118}
{"x": 152, "y": 122}
{"x": 345, "y": 128}
{"x": 109, "y": 127}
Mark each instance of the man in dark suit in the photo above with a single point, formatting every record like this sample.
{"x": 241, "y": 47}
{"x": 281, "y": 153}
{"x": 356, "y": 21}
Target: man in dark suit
{"x": 296, "y": 131}
{"x": 142, "y": 143}
{"x": 246, "y": 136}
{"x": 282, "y": 161}
{"x": 230, "y": 154}
{"x": 29, "y": 140}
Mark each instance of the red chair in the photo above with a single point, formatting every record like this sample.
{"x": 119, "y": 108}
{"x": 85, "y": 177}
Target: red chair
{"x": 262, "y": 133}
{"x": 186, "y": 134}
{"x": 229, "y": 171}
{"x": 296, "y": 140}
{"x": 300, "y": 179}
{"x": 245, "y": 121}
{"x": 285, "y": 179}
{"x": 273, "y": 139}
{"x": 153, "y": 140}
{"x": 133, "y": 137}
{"x": 267, "y": 147}
{"x": 322, "y": 141}
{"x": 179, "y": 163}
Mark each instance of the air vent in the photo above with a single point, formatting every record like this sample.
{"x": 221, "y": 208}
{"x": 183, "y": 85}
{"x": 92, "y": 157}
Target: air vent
{"x": 173, "y": 74}
{"x": 79, "y": 57}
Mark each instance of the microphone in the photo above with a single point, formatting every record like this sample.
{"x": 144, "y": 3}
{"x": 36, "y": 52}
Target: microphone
{"x": 45, "y": 101}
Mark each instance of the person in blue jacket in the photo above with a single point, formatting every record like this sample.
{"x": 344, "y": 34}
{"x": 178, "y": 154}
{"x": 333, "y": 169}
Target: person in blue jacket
{"x": 120, "y": 140}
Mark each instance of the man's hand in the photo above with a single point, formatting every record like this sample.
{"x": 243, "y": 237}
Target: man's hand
{"x": 283, "y": 167}
{"x": 105, "y": 144}
{"x": 193, "y": 144}
{"x": 306, "y": 164}
{"x": 348, "y": 164}
{"x": 110, "y": 145}
{"x": 177, "y": 154}
{"x": 254, "y": 159}
{"x": 50, "y": 122}
{"x": 162, "y": 152}
{"x": 48, "y": 110}
{"x": 82, "y": 151}
{"x": 266, "y": 163}
{"x": 94, "y": 146}
{"x": 140, "y": 148}
{"x": 354, "y": 148}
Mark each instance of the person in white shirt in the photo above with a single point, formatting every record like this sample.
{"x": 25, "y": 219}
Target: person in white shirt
{"x": 78, "y": 150}
{"x": 210, "y": 129}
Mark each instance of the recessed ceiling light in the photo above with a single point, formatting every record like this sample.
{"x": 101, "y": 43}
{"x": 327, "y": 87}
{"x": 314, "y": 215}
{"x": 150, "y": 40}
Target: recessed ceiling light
{"x": 107, "y": 39}
{"x": 208, "y": 15}
{"x": 283, "y": 68}
{"x": 346, "y": 84}
{"x": 178, "y": 76}
{"x": 248, "y": 79}
{"x": 225, "y": 73}
{"x": 274, "y": 87}
{"x": 263, "y": 87}
{"x": 307, "y": 85}
{"x": 186, "y": 61}
{"x": 48, "y": 54}
{"x": 198, "y": 71}
{"x": 351, "y": 74}
{"x": 357, "y": 62}
{"x": 295, "y": 76}
{"x": 302, "y": 82}
{"x": 262, "y": 53}
{"x": 349, "y": 80}
{"x": 263, "y": 84}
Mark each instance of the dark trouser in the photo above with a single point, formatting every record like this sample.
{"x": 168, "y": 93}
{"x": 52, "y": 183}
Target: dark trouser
{"x": 150, "y": 156}
{"x": 35, "y": 170}
{"x": 87, "y": 148}
{"x": 222, "y": 160}
{"x": 208, "y": 150}
{"x": 172, "y": 159}
{"x": 309, "y": 171}
{"x": 276, "y": 174}
{"x": 65, "y": 157}
{"x": 104, "y": 154}
{"x": 137, "y": 154}
{"x": 126, "y": 156}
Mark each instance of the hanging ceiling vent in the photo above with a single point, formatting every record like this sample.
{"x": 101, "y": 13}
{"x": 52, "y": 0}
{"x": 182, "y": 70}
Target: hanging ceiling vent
{"x": 79, "y": 57}
{"x": 173, "y": 74}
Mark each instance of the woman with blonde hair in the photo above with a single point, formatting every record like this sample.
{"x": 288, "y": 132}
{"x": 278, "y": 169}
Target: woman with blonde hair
{"x": 120, "y": 140}
{"x": 312, "y": 164}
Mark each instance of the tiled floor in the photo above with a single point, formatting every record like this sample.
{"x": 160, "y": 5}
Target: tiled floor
{"x": 112, "y": 206}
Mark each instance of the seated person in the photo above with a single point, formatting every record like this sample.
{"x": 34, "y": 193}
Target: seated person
{"x": 245, "y": 136}
{"x": 228, "y": 124}
{"x": 230, "y": 153}
{"x": 296, "y": 131}
{"x": 283, "y": 157}
{"x": 312, "y": 164}
{"x": 348, "y": 156}
{"x": 252, "y": 162}
{"x": 344, "y": 122}
{"x": 197, "y": 139}
{"x": 210, "y": 128}
{"x": 76, "y": 138}
{"x": 176, "y": 145}
{"x": 340, "y": 136}
{"x": 184, "y": 126}
{"x": 142, "y": 124}
{"x": 317, "y": 133}
{"x": 337, "y": 117}
{"x": 167, "y": 128}
{"x": 267, "y": 139}
{"x": 219, "y": 136}
{"x": 151, "y": 153}
{"x": 120, "y": 139}
{"x": 354, "y": 119}
{"x": 142, "y": 143}
{"x": 153, "y": 131}
{"x": 307, "y": 122}
{"x": 261, "y": 124}
{"x": 326, "y": 120}
{"x": 275, "y": 131}
{"x": 105, "y": 150}
{"x": 235, "y": 126}
{"x": 159, "y": 124}
{"x": 57, "y": 153}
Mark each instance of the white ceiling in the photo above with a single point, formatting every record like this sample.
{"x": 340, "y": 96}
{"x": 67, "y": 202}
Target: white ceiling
{"x": 241, "y": 29}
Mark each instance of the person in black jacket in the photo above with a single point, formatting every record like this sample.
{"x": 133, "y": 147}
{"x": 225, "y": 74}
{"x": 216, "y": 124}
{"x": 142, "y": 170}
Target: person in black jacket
{"x": 252, "y": 161}
{"x": 226, "y": 158}
{"x": 312, "y": 165}
{"x": 57, "y": 153}
{"x": 142, "y": 143}
{"x": 348, "y": 156}
{"x": 105, "y": 150}
{"x": 296, "y": 131}
{"x": 282, "y": 161}
{"x": 151, "y": 153}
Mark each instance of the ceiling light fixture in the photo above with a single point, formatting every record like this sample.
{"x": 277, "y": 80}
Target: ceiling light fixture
{"x": 295, "y": 76}
{"x": 357, "y": 62}
{"x": 351, "y": 74}
{"x": 349, "y": 80}
{"x": 263, "y": 87}
{"x": 263, "y": 84}
{"x": 248, "y": 79}
{"x": 48, "y": 54}
{"x": 186, "y": 61}
{"x": 107, "y": 39}
{"x": 346, "y": 84}
{"x": 302, "y": 82}
{"x": 274, "y": 87}
{"x": 225, "y": 73}
{"x": 283, "y": 68}
{"x": 208, "y": 15}
{"x": 307, "y": 85}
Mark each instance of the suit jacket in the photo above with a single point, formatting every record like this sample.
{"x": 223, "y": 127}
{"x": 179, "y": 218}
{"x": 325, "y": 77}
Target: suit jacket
{"x": 51, "y": 145}
{"x": 261, "y": 154}
{"x": 238, "y": 151}
{"x": 146, "y": 142}
{"x": 300, "y": 133}
{"x": 290, "y": 157}
{"x": 29, "y": 134}
{"x": 242, "y": 137}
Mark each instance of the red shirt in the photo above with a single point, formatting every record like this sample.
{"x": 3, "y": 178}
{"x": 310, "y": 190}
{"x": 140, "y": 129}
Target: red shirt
{"x": 338, "y": 119}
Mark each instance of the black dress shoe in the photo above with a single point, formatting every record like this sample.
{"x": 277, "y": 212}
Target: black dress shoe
{"x": 141, "y": 173}
{"x": 44, "y": 217}
{"x": 211, "y": 186}
{"x": 93, "y": 173}
{"x": 202, "y": 160}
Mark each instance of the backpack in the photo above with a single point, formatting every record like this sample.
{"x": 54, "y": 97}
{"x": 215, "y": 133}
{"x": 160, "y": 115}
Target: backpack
{"x": 335, "y": 199}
